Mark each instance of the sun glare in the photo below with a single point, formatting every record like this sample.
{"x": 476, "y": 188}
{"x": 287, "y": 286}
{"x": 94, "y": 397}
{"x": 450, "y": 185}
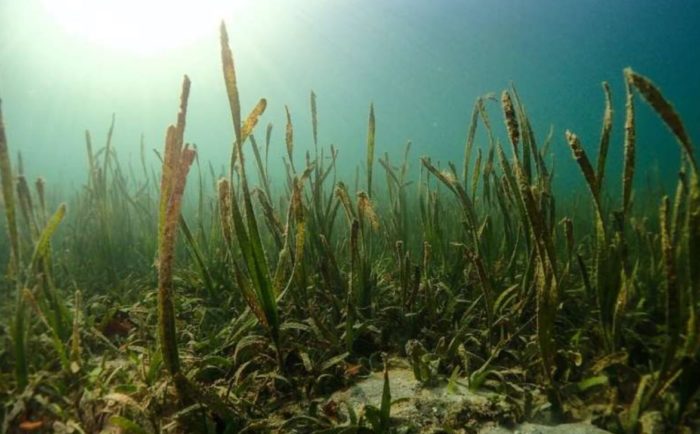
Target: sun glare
{"x": 143, "y": 27}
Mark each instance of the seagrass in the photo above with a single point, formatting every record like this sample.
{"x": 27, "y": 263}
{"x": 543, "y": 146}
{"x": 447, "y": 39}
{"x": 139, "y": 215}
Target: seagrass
{"x": 692, "y": 241}
{"x": 584, "y": 164}
{"x": 263, "y": 176}
{"x": 176, "y": 165}
{"x": 371, "y": 127}
{"x": 41, "y": 247}
{"x": 252, "y": 119}
{"x": 672, "y": 293}
{"x": 485, "y": 283}
{"x": 477, "y": 173}
{"x": 289, "y": 139}
{"x": 75, "y": 340}
{"x": 18, "y": 326}
{"x": 224, "y": 189}
{"x": 469, "y": 143}
{"x": 670, "y": 117}
{"x": 606, "y": 130}
{"x": 605, "y": 259}
{"x": 9, "y": 198}
{"x": 40, "y": 186}
{"x": 664, "y": 109}
{"x": 229, "y": 71}
{"x": 354, "y": 285}
{"x": 629, "y": 149}
{"x": 273, "y": 222}
{"x": 530, "y": 149}
{"x": 511, "y": 120}
{"x": 508, "y": 281}
{"x": 366, "y": 211}
{"x": 314, "y": 119}
{"x": 547, "y": 284}
{"x": 341, "y": 192}
{"x": 679, "y": 199}
{"x": 26, "y": 206}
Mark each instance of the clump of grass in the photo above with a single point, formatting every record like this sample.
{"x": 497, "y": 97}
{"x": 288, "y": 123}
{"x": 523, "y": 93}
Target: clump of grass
{"x": 177, "y": 160}
{"x": 9, "y": 199}
{"x": 21, "y": 371}
{"x": 258, "y": 285}
{"x": 546, "y": 273}
{"x": 36, "y": 275}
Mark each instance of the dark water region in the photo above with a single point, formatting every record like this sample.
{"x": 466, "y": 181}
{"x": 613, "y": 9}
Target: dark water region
{"x": 279, "y": 259}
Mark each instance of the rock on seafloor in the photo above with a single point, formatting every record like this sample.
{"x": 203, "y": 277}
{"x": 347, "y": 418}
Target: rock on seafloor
{"x": 423, "y": 409}
{"x": 531, "y": 428}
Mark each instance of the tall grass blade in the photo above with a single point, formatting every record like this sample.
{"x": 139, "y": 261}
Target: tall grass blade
{"x": 469, "y": 144}
{"x": 41, "y": 248}
{"x": 673, "y": 312}
{"x": 604, "y": 137}
{"x": 176, "y": 165}
{"x": 511, "y": 119}
{"x": 630, "y": 146}
{"x": 252, "y": 119}
{"x": 289, "y": 139}
{"x": 231, "y": 85}
{"x": 314, "y": 119}
{"x": 370, "y": 148}
{"x": 9, "y": 199}
{"x": 664, "y": 109}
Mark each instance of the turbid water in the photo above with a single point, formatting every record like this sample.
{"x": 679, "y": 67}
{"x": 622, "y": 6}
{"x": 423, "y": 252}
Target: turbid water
{"x": 349, "y": 217}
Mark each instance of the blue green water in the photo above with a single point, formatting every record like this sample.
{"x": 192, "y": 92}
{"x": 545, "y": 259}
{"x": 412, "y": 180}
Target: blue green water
{"x": 422, "y": 63}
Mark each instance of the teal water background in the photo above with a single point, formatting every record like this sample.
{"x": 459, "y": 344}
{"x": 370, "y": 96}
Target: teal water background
{"x": 422, "y": 64}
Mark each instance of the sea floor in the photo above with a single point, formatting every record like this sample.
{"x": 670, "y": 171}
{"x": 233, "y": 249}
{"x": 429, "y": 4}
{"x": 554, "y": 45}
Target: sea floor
{"x": 445, "y": 407}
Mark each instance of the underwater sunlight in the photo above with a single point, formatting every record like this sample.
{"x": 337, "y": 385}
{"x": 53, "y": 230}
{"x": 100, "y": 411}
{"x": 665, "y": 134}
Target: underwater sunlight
{"x": 142, "y": 28}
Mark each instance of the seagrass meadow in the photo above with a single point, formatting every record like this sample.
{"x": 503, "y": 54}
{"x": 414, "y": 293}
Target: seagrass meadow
{"x": 176, "y": 297}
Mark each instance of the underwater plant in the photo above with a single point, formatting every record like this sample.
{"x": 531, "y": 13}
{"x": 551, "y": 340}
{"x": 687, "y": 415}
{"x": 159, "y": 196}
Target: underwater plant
{"x": 479, "y": 276}
{"x": 176, "y": 164}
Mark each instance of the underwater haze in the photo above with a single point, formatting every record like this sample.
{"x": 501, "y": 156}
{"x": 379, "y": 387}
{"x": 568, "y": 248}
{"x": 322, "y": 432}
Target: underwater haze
{"x": 349, "y": 217}
{"x": 421, "y": 63}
